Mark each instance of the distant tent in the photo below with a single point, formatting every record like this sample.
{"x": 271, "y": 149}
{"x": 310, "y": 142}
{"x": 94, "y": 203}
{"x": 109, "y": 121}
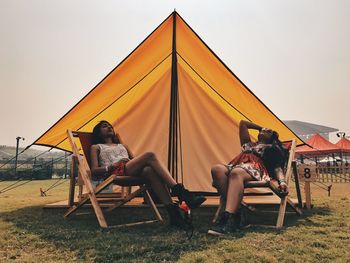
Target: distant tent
{"x": 344, "y": 145}
{"x": 172, "y": 95}
{"x": 319, "y": 146}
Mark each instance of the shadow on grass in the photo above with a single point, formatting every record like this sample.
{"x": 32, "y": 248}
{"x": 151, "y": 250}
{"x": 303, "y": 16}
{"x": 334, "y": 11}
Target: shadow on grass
{"x": 81, "y": 233}
{"x": 264, "y": 220}
{"x": 151, "y": 242}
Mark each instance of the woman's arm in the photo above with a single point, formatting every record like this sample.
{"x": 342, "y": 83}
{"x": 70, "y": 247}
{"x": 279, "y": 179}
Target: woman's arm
{"x": 95, "y": 168}
{"x": 281, "y": 179}
{"x": 243, "y": 130}
{"x": 131, "y": 156}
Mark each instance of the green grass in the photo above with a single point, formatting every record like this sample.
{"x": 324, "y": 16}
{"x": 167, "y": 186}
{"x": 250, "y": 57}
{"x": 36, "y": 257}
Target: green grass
{"x": 30, "y": 234}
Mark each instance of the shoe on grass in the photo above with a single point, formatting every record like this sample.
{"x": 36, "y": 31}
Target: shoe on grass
{"x": 176, "y": 218}
{"x": 227, "y": 224}
{"x": 242, "y": 219}
{"x": 193, "y": 200}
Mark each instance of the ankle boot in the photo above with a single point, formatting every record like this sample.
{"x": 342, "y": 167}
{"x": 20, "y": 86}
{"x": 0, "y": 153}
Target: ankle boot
{"x": 175, "y": 216}
{"x": 191, "y": 199}
{"x": 241, "y": 218}
{"x": 222, "y": 218}
{"x": 226, "y": 225}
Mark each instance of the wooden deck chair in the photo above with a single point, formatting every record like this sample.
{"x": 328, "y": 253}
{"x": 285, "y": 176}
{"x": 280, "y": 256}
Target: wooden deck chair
{"x": 272, "y": 187}
{"x": 92, "y": 194}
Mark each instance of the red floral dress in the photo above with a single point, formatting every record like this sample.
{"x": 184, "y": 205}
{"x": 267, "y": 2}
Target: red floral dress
{"x": 250, "y": 159}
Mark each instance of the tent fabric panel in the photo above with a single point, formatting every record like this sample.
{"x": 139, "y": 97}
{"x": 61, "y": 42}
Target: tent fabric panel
{"x": 119, "y": 108}
{"x": 207, "y": 134}
{"x": 144, "y": 127}
{"x": 145, "y": 58}
{"x": 231, "y": 113}
{"x": 130, "y": 101}
{"x": 210, "y": 68}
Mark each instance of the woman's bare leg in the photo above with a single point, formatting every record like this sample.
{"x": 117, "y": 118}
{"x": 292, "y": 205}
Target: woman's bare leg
{"x": 157, "y": 186}
{"x": 235, "y": 189}
{"x": 220, "y": 182}
{"x": 136, "y": 166}
{"x": 160, "y": 189}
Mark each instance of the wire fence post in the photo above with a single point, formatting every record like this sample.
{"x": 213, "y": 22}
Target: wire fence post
{"x": 33, "y": 169}
{"x": 16, "y": 156}
{"x": 51, "y": 168}
{"x": 66, "y": 165}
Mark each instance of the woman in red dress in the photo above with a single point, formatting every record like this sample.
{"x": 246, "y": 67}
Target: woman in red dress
{"x": 257, "y": 161}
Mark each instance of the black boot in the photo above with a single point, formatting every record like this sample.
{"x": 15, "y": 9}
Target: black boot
{"x": 175, "y": 216}
{"x": 241, "y": 218}
{"x": 191, "y": 199}
{"x": 222, "y": 219}
{"x": 226, "y": 225}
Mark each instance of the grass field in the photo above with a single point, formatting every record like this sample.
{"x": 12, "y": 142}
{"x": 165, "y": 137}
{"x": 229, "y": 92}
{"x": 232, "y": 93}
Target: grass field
{"x": 30, "y": 234}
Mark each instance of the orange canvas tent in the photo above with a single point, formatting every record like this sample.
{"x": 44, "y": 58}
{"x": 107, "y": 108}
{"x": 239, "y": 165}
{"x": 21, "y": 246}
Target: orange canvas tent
{"x": 319, "y": 146}
{"x": 172, "y": 95}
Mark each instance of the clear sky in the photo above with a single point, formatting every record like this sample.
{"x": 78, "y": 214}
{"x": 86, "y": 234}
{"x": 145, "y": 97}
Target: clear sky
{"x": 294, "y": 55}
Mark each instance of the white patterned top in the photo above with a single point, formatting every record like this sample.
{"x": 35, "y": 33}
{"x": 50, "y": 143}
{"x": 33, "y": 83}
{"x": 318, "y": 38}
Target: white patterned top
{"x": 110, "y": 154}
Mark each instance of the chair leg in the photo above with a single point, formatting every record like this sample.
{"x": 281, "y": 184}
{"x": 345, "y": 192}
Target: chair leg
{"x": 294, "y": 207}
{"x": 281, "y": 212}
{"x": 217, "y": 213}
{"x": 127, "y": 198}
{"x": 153, "y": 207}
{"x": 289, "y": 201}
{"x": 97, "y": 190}
{"x": 297, "y": 184}
{"x": 100, "y": 217}
{"x": 249, "y": 207}
{"x": 91, "y": 194}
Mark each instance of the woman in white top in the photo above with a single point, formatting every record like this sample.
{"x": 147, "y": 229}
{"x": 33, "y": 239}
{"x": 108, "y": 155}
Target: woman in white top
{"x": 109, "y": 156}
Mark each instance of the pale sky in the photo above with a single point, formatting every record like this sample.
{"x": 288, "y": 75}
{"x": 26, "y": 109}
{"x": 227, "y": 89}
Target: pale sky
{"x": 294, "y": 55}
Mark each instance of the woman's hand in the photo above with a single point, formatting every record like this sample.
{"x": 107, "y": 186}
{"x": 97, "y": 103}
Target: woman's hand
{"x": 283, "y": 188}
{"x": 281, "y": 181}
{"x": 115, "y": 165}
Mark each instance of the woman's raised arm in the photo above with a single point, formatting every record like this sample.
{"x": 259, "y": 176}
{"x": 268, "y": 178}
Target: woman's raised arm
{"x": 244, "y": 126}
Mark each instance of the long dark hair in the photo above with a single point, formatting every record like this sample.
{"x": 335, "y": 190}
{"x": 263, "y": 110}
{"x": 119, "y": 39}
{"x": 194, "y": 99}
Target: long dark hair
{"x": 275, "y": 155}
{"x": 96, "y": 134}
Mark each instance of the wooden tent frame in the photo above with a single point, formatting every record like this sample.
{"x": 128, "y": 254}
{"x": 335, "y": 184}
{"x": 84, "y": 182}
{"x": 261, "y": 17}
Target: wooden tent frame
{"x": 92, "y": 194}
{"x": 272, "y": 187}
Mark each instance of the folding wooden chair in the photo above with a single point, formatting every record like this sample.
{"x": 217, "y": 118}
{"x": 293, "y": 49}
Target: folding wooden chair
{"x": 272, "y": 188}
{"x": 92, "y": 193}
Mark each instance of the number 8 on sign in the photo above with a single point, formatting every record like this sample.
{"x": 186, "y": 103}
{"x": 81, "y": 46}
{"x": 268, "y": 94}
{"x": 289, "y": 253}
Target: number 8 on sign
{"x": 307, "y": 172}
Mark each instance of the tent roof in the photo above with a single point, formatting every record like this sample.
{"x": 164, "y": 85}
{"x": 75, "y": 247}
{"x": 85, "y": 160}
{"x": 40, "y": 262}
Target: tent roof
{"x": 173, "y": 96}
{"x": 319, "y": 146}
{"x": 344, "y": 145}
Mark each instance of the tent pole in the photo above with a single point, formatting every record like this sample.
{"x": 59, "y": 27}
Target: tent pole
{"x": 171, "y": 113}
{"x": 173, "y": 122}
